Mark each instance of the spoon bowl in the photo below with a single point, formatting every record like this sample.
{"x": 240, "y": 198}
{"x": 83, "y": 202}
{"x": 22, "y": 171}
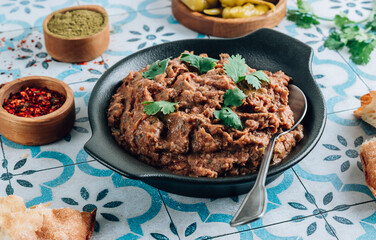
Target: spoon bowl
{"x": 253, "y": 206}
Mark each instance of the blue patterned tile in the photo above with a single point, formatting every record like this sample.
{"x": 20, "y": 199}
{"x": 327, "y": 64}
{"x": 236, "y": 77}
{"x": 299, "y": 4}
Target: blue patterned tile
{"x": 130, "y": 33}
{"x": 206, "y": 216}
{"x": 117, "y": 7}
{"x": 309, "y": 228}
{"x": 16, "y": 14}
{"x": 357, "y": 222}
{"x": 332, "y": 173}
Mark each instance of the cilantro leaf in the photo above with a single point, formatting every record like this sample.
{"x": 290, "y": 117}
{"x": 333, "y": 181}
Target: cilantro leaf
{"x": 342, "y": 20}
{"x": 303, "y": 6}
{"x": 153, "y": 108}
{"x": 235, "y": 67}
{"x": 233, "y": 97}
{"x": 203, "y": 64}
{"x": 302, "y": 19}
{"x": 372, "y": 24}
{"x": 229, "y": 118}
{"x": 334, "y": 42}
{"x": 254, "y": 79}
{"x": 156, "y": 68}
{"x": 361, "y": 51}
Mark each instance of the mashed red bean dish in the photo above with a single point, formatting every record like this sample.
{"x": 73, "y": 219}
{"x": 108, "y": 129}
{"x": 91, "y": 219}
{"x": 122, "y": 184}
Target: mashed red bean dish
{"x": 199, "y": 116}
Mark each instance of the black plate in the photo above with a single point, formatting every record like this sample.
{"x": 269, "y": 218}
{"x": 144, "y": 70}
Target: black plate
{"x": 264, "y": 49}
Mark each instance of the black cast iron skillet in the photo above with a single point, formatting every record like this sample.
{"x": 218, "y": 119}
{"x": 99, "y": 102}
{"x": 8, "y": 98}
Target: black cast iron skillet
{"x": 264, "y": 49}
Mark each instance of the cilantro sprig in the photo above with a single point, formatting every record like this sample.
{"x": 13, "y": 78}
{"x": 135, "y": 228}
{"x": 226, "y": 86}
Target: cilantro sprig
{"x": 152, "y": 108}
{"x": 359, "y": 41}
{"x": 203, "y": 64}
{"x": 156, "y": 68}
{"x": 236, "y": 69}
{"x": 232, "y": 97}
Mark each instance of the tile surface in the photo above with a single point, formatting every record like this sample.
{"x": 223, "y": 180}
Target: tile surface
{"x": 322, "y": 197}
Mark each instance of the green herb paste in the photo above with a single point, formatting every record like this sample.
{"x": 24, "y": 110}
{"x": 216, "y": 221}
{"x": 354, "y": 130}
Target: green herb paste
{"x": 76, "y": 23}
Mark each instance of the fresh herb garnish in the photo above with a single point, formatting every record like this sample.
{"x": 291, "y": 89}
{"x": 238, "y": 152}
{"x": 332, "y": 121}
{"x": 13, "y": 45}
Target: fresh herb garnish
{"x": 236, "y": 69}
{"x": 360, "y": 42}
{"x": 303, "y": 17}
{"x": 254, "y": 79}
{"x": 156, "y": 68}
{"x": 153, "y": 108}
{"x": 203, "y": 64}
{"x": 232, "y": 97}
{"x": 229, "y": 118}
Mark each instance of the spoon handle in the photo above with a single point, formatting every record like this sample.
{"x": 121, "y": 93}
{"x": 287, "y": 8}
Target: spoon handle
{"x": 254, "y": 203}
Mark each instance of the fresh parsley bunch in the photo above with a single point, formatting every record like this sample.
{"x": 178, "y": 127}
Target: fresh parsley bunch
{"x": 360, "y": 41}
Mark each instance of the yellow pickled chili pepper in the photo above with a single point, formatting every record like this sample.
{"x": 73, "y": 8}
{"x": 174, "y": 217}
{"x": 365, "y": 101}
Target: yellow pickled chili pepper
{"x": 233, "y": 3}
{"x": 200, "y": 5}
{"x": 248, "y": 10}
{"x": 213, "y": 11}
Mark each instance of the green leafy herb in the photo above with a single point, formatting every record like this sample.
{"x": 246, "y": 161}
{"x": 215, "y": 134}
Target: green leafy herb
{"x": 229, "y": 118}
{"x": 372, "y": 24}
{"x": 303, "y": 20}
{"x": 153, "y": 108}
{"x": 156, "y": 68}
{"x": 203, "y": 64}
{"x": 233, "y": 97}
{"x": 360, "y": 42}
{"x": 236, "y": 67}
{"x": 254, "y": 79}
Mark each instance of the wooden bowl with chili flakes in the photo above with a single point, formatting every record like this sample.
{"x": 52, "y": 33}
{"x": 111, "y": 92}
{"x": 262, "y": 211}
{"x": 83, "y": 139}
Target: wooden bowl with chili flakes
{"x": 55, "y": 100}
{"x": 77, "y": 48}
{"x": 227, "y": 27}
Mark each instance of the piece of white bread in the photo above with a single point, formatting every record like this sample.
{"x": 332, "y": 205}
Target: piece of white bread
{"x": 368, "y": 159}
{"x": 367, "y": 110}
{"x": 42, "y": 223}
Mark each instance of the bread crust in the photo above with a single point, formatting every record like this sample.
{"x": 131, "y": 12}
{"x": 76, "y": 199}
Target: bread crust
{"x": 368, "y": 160}
{"x": 42, "y": 223}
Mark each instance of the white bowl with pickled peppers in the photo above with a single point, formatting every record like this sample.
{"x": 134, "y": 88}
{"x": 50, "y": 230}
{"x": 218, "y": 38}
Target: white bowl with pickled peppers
{"x": 228, "y": 18}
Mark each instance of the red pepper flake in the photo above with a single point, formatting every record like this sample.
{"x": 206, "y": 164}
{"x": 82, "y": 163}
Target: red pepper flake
{"x": 48, "y": 60}
{"x": 82, "y": 88}
{"x": 81, "y": 63}
{"x": 33, "y": 102}
{"x": 3, "y": 39}
{"x": 9, "y": 48}
{"x": 101, "y": 63}
{"x": 23, "y": 41}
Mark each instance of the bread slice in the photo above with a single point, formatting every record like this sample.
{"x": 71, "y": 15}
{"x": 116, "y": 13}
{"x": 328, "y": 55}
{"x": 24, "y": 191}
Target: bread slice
{"x": 42, "y": 223}
{"x": 367, "y": 110}
{"x": 368, "y": 159}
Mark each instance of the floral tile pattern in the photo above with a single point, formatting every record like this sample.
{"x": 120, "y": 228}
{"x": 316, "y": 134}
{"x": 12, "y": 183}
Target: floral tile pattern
{"x": 322, "y": 197}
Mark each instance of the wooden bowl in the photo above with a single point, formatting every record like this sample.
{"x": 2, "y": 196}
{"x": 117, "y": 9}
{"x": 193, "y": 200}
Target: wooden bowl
{"x": 78, "y": 49}
{"x": 221, "y": 27}
{"x": 38, "y": 130}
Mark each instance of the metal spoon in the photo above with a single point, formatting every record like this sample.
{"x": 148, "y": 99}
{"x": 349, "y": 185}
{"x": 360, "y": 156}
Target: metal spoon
{"x": 253, "y": 206}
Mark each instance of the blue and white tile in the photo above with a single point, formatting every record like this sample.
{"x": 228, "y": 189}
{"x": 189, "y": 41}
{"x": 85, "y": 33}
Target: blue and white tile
{"x": 338, "y": 82}
{"x": 356, "y": 10}
{"x": 366, "y": 72}
{"x": 118, "y": 7}
{"x": 309, "y": 228}
{"x": 16, "y": 14}
{"x": 133, "y": 33}
{"x": 354, "y": 222}
{"x": 286, "y": 200}
{"x": 332, "y": 172}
